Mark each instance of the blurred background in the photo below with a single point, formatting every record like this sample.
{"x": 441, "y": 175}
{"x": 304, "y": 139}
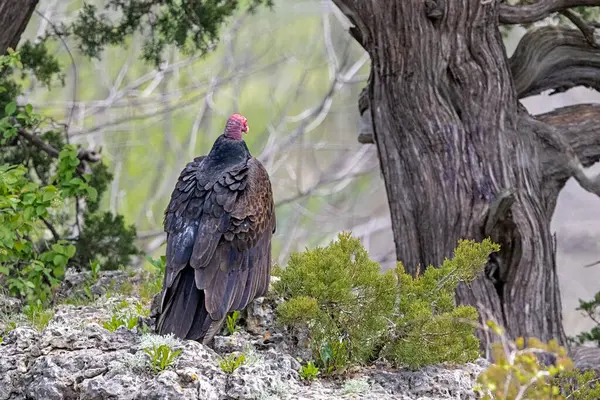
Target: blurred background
{"x": 296, "y": 74}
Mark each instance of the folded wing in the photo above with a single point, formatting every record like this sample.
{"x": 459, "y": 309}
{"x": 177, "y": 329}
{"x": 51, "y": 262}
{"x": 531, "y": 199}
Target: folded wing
{"x": 219, "y": 226}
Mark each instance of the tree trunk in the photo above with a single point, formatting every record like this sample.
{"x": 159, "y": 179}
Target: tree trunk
{"x": 461, "y": 158}
{"x": 14, "y": 17}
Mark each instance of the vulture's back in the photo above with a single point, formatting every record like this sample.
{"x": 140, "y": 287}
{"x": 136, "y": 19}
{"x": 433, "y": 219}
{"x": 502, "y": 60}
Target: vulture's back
{"x": 219, "y": 225}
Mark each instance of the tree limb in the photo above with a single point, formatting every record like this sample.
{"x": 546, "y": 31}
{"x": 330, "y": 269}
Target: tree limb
{"x": 586, "y": 29}
{"x": 554, "y": 58}
{"x": 579, "y": 124}
{"x": 585, "y": 358}
{"x": 39, "y": 143}
{"x": 83, "y": 155}
{"x": 571, "y": 144}
{"x": 359, "y": 14}
{"x": 529, "y": 13}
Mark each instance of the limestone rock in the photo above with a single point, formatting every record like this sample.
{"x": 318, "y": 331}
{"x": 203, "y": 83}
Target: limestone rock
{"x": 76, "y": 358}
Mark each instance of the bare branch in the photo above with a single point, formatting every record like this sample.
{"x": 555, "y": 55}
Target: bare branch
{"x": 586, "y": 29}
{"x": 359, "y": 15}
{"x": 50, "y": 227}
{"x": 83, "y": 155}
{"x": 529, "y": 13}
{"x": 579, "y": 124}
{"x": 571, "y": 143}
{"x": 554, "y": 58}
{"x": 39, "y": 143}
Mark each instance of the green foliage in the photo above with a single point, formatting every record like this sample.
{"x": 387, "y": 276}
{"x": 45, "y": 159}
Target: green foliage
{"x": 592, "y": 310}
{"x": 342, "y": 296}
{"x": 40, "y": 177}
{"x": 232, "y": 362}
{"x": 116, "y": 321}
{"x": 126, "y": 314}
{"x": 232, "y": 321}
{"x": 29, "y": 271}
{"x": 37, "y": 316}
{"x": 161, "y": 357}
{"x": 71, "y": 183}
{"x": 41, "y": 63}
{"x": 354, "y": 313}
{"x": 518, "y": 373}
{"x": 106, "y": 238}
{"x": 428, "y": 327}
{"x": 95, "y": 269}
{"x": 309, "y": 371}
{"x": 191, "y": 26}
{"x": 578, "y": 385}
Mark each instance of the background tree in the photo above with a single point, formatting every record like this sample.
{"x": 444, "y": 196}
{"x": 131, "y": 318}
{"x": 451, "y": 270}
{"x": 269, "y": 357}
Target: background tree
{"x": 461, "y": 157}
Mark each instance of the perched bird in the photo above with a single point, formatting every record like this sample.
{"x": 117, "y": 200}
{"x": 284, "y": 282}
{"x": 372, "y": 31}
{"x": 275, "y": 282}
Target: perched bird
{"x": 219, "y": 225}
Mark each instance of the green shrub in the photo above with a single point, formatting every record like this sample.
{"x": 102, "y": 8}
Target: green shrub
{"x": 125, "y": 314}
{"x": 309, "y": 371}
{"x": 354, "y": 312}
{"x": 37, "y": 316}
{"x": 518, "y": 373}
{"x": 45, "y": 191}
{"x": 152, "y": 278}
{"x": 428, "y": 327}
{"x": 340, "y": 294}
{"x": 116, "y": 321}
{"x": 578, "y": 385}
{"x": 29, "y": 271}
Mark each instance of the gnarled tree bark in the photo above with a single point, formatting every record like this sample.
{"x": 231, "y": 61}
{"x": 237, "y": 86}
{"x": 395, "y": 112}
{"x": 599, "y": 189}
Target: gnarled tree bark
{"x": 461, "y": 158}
{"x": 14, "y": 16}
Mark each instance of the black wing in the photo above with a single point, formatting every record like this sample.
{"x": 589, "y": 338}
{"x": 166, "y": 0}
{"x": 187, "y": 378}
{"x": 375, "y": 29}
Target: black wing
{"x": 221, "y": 227}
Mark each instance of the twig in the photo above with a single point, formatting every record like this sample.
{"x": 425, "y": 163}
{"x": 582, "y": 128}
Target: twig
{"x": 39, "y": 143}
{"x": 585, "y": 28}
{"x": 73, "y": 66}
{"x": 51, "y": 228}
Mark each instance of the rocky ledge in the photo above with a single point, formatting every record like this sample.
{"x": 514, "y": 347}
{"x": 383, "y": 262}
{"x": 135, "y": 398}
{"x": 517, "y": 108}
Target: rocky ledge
{"x": 75, "y": 357}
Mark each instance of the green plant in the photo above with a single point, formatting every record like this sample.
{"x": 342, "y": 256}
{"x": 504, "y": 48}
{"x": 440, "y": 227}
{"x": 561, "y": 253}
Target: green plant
{"x": 160, "y": 264}
{"x": 339, "y": 294}
{"x": 354, "y": 313}
{"x": 592, "y": 310}
{"x": 37, "y": 316}
{"x": 95, "y": 269}
{"x": 189, "y": 26}
{"x": 30, "y": 270}
{"x": 232, "y": 321}
{"x": 161, "y": 357}
{"x": 309, "y": 371}
{"x": 129, "y": 321}
{"x": 232, "y": 362}
{"x": 518, "y": 373}
{"x": 578, "y": 385}
{"x": 428, "y": 326}
{"x": 44, "y": 182}
{"x": 152, "y": 279}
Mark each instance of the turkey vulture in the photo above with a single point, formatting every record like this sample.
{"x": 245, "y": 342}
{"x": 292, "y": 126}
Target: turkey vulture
{"x": 219, "y": 225}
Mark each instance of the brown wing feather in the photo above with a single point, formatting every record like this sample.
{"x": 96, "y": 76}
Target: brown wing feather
{"x": 221, "y": 226}
{"x": 242, "y": 260}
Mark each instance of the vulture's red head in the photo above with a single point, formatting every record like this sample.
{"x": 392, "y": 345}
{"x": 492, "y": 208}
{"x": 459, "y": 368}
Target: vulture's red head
{"x": 236, "y": 124}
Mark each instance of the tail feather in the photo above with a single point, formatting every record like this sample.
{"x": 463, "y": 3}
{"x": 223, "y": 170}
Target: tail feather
{"x": 183, "y": 312}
